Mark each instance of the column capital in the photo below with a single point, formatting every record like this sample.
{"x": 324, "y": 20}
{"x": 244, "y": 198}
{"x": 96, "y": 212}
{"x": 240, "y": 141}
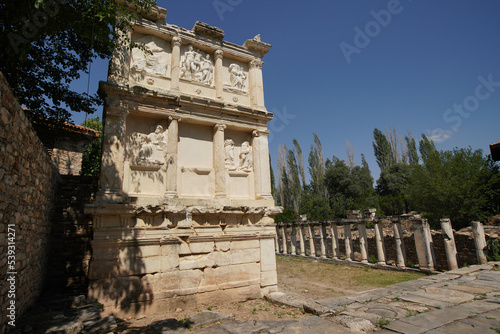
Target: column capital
{"x": 256, "y": 63}
{"x": 219, "y": 127}
{"x": 176, "y": 41}
{"x": 218, "y": 54}
{"x": 258, "y": 133}
{"x": 174, "y": 118}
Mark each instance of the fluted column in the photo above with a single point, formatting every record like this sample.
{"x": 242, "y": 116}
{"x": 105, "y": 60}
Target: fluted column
{"x": 293, "y": 240}
{"x": 276, "y": 245}
{"x": 449, "y": 244}
{"x": 302, "y": 241}
{"x": 172, "y": 149}
{"x": 479, "y": 241}
{"x": 219, "y": 161}
{"x": 218, "y": 75}
{"x": 335, "y": 241}
{"x": 379, "y": 240}
{"x": 423, "y": 244}
{"x": 256, "y": 83}
{"x": 312, "y": 248}
{"x": 284, "y": 238}
{"x": 262, "y": 172}
{"x": 363, "y": 241}
{"x": 175, "y": 63}
{"x": 400, "y": 245}
{"x": 322, "y": 239}
{"x": 348, "y": 241}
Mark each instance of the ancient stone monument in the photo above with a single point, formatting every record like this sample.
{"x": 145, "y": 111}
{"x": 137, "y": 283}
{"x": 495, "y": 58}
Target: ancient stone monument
{"x": 184, "y": 214}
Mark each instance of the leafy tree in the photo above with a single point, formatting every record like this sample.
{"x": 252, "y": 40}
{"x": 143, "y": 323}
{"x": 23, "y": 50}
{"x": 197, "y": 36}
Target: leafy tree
{"x": 91, "y": 159}
{"x": 46, "y": 44}
{"x": 317, "y": 168}
{"x": 382, "y": 150}
{"x": 392, "y": 186}
{"x": 460, "y": 184}
{"x": 348, "y": 188}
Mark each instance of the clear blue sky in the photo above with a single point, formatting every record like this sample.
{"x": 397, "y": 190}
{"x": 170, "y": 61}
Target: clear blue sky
{"x": 432, "y": 66}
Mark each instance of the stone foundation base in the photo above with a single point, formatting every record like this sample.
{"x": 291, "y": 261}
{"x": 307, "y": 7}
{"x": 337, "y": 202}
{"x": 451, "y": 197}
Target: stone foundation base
{"x": 142, "y": 267}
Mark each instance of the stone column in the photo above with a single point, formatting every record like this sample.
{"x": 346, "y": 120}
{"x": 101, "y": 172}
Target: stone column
{"x": 312, "y": 248}
{"x": 363, "y": 241}
{"x": 322, "y": 239}
{"x": 113, "y": 154}
{"x": 262, "y": 172}
{"x": 299, "y": 220}
{"x": 423, "y": 244}
{"x": 119, "y": 64}
{"x": 293, "y": 240}
{"x": 302, "y": 240}
{"x": 284, "y": 238}
{"x": 400, "y": 245}
{"x": 276, "y": 245}
{"x": 479, "y": 241}
{"x": 175, "y": 63}
{"x": 218, "y": 75}
{"x": 172, "y": 149}
{"x": 278, "y": 237}
{"x": 348, "y": 241}
{"x": 379, "y": 240}
{"x": 219, "y": 161}
{"x": 449, "y": 244}
{"x": 335, "y": 241}
{"x": 255, "y": 83}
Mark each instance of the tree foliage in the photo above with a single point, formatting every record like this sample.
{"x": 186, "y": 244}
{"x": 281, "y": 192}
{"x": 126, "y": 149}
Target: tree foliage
{"x": 91, "y": 159}
{"x": 460, "y": 184}
{"x": 46, "y": 44}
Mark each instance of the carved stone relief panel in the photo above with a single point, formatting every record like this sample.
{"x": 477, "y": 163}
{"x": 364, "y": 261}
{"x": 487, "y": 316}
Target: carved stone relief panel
{"x": 157, "y": 63}
{"x": 235, "y": 75}
{"x": 148, "y": 149}
{"x": 238, "y": 157}
{"x": 197, "y": 66}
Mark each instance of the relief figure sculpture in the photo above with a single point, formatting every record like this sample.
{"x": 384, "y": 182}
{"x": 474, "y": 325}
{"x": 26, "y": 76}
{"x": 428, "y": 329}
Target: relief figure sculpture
{"x": 246, "y": 157}
{"x": 196, "y": 68}
{"x": 229, "y": 150}
{"x": 238, "y": 76}
{"x": 154, "y": 147}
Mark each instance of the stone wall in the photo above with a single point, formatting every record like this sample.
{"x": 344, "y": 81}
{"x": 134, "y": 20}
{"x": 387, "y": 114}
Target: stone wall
{"x": 28, "y": 180}
{"x": 71, "y": 236}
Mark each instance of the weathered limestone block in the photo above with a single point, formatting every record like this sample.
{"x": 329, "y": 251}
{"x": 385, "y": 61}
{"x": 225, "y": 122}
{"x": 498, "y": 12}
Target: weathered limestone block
{"x": 199, "y": 261}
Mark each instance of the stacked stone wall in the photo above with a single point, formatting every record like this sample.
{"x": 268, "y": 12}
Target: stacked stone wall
{"x": 71, "y": 235}
{"x": 28, "y": 181}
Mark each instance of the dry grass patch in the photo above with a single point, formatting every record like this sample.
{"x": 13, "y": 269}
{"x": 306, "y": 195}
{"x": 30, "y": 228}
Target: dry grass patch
{"x": 314, "y": 279}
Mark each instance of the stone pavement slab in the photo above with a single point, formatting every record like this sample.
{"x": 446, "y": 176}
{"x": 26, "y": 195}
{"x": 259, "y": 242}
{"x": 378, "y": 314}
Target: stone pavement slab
{"x": 431, "y": 320}
{"x": 424, "y": 299}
